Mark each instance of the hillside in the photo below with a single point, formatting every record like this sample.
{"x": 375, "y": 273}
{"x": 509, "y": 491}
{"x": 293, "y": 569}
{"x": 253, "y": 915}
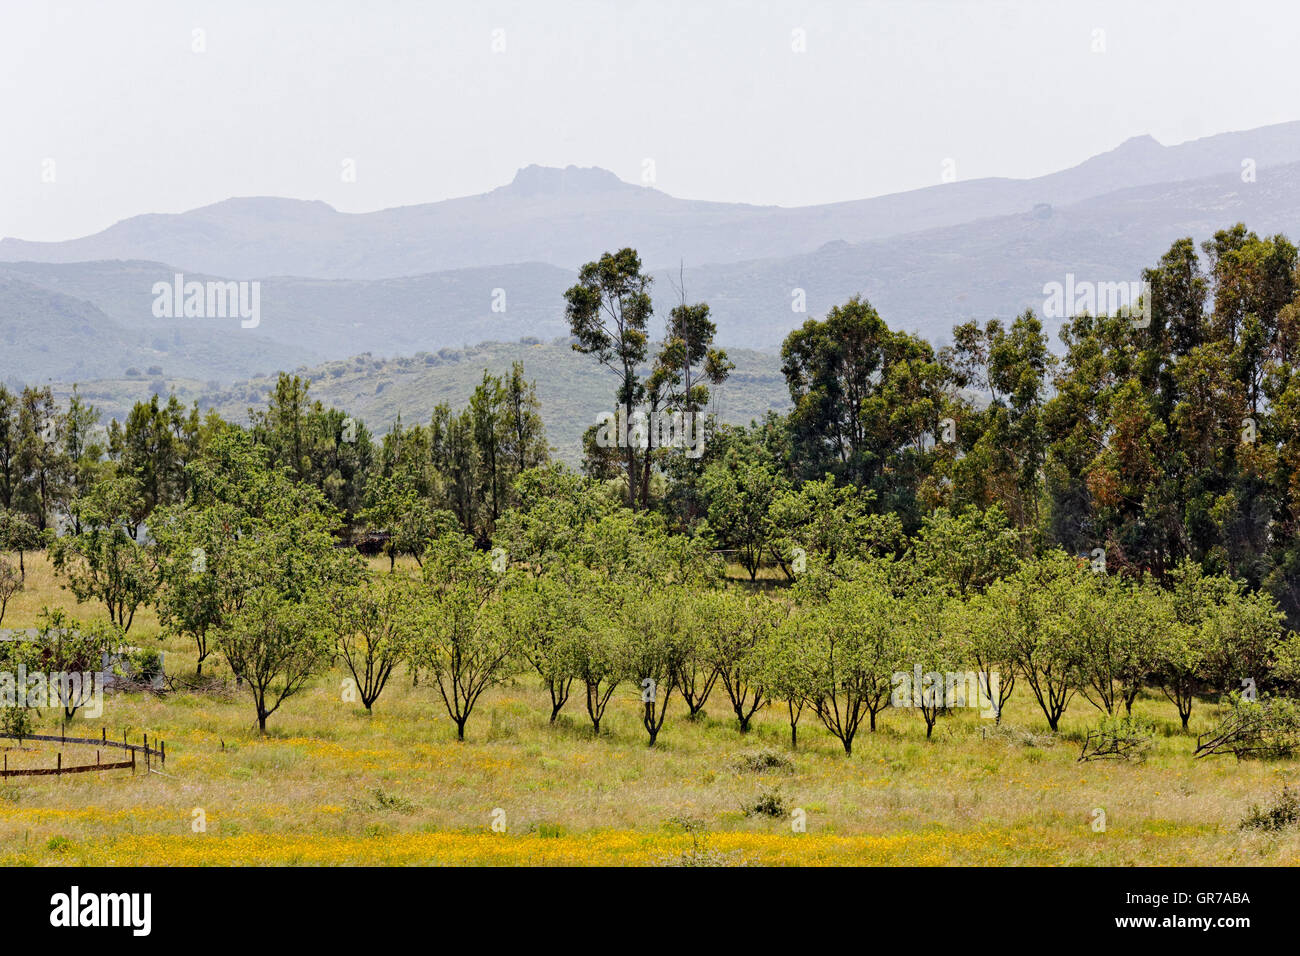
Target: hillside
{"x": 563, "y": 216}
{"x": 924, "y": 282}
{"x": 571, "y": 387}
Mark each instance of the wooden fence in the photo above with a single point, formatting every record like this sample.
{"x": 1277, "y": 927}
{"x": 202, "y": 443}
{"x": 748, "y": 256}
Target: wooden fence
{"x": 150, "y": 753}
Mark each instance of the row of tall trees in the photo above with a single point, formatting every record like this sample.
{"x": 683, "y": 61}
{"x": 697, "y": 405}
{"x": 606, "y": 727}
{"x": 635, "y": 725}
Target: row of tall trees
{"x": 63, "y": 470}
{"x": 1170, "y": 435}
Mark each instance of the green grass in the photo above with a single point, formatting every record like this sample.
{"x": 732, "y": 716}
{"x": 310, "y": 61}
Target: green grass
{"x": 330, "y": 784}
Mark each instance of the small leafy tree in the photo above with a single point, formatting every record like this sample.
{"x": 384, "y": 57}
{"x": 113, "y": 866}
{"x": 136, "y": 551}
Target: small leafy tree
{"x": 1034, "y": 608}
{"x": 66, "y": 646}
{"x": 989, "y": 650}
{"x": 739, "y": 494}
{"x": 783, "y": 666}
{"x": 828, "y": 521}
{"x": 1119, "y": 626}
{"x": 463, "y": 642}
{"x": 11, "y": 583}
{"x": 736, "y": 629}
{"x": 545, "y": 616}
{"x": 698, "y": 673}
{"x": 19, "y": 535}
{"x": 656, "y": 651}
{"x": 376, "y": 627}
{"x": 931, "y": 645}
{"x": 600, "y": 653}
{"x": 267, "y": 600}
{"x": 275, "y": 644}
{"x": 409, "y": 520}
{"x": 855, "y": 639}
{"x": 103, "y": 561}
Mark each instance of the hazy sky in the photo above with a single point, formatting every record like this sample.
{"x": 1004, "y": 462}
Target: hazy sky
{"x": 115, "y": 104}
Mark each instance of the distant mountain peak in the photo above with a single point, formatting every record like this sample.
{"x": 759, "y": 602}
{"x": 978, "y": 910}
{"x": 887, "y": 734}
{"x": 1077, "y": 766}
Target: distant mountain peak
{"x": 1146, "y": 143}
{"x": 537, "y": 180}
{"x": 277, "y": 207}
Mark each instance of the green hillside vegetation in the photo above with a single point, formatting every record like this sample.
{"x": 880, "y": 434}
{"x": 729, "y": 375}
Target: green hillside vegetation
{"x": 377, "y": 390}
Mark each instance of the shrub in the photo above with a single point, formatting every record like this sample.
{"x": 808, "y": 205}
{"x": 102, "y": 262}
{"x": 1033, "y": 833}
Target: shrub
{"x": 1119, "y": 738}
{"x": 769, "y": 804}
{"x": 383, "y": 800}
{"x": 1282, "y": 815}
{"x": 146, "y": 664}
{"x": 700, "y": 853}
{"x": 1268, "y": 728}
{"x": 16, "y": 721}
{"x": 762, "y": 761}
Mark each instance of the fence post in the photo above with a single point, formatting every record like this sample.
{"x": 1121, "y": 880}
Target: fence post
{"x": 59, "y": 765}
{"x": 132, "y": 762}
{"x": 103, "y": 735}
{"x": 162, "y": 745}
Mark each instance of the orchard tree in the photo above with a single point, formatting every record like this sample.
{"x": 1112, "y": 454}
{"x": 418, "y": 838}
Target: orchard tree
{"x": 103, "y": 561}
{"x": 409, "y": 521}
{"x": 966, "y": 551}
{"x": 1119, "y": 624}
{"x": 931, "y": 640}
{"x": 462, "y": 643}
{"x": 545, "y": 616}
{"x": 10, "y": 584}
{"x": 600, "y": 654}
{"x": 18, "y": 534}
{"x": 275, "y": 644}
{"x": 1035, "y": 610}
{"x": 250, "y": 563}
{"x": 784, "y": 663}
{"x": 65, "y": 646}
{"x": 656, "y": 648}
{"x": 857, "y": 643}
{"x": 376, "y": 624}
{"x": 822, "y": 519}
{"x": 989, "y": 650}
{"x": 735, "y": 629}
{"x": 739, "y": 495}
{"x": 698, "y": 672}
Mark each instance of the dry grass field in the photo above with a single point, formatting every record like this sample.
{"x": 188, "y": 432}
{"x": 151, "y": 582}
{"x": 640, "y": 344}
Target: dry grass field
{"x": 330, "y": 785}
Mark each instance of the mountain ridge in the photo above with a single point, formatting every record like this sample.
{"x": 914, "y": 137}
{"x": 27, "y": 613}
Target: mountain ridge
{"x": 538, "y": 218}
